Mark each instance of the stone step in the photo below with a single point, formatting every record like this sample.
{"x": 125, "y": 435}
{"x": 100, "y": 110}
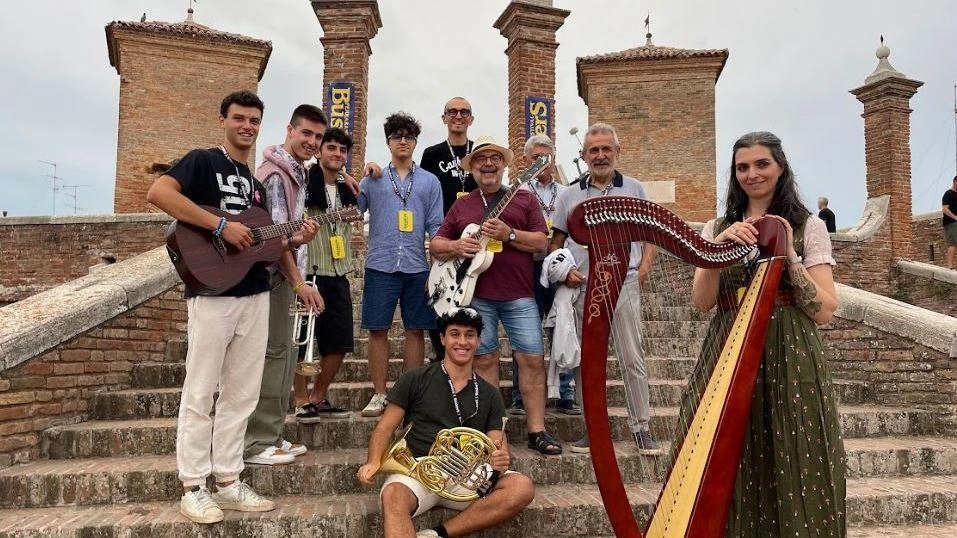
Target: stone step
{"x": 154, "y": 477}
{"x": 562, "y": 511}
{"x": 155, "y": 403}
{"x": 105, "y": 438}
{"x": 353, "y": 370}
{"x": 930, "y": 530}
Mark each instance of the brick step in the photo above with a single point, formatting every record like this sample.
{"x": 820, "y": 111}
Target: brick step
{"x": 106, "y": 438}
{"x": 154, "y": 477}
{"x": 354, "y": 370}
{"x": 930, "y": 530}
{"x": 154, "y": 403}
{"x": 563, "y": 511}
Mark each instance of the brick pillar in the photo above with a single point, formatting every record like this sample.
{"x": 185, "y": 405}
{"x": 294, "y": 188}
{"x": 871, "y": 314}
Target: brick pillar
{"x": 348, "y": 26}
{"x": 886, "y": 97}
{"x": 173, "y": 77}
{"x": 530, "y": 26}
{"x": 661, "y": 102}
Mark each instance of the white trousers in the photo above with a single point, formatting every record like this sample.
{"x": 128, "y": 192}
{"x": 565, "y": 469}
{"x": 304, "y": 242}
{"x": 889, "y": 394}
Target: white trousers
{"x": 226, "y": 339}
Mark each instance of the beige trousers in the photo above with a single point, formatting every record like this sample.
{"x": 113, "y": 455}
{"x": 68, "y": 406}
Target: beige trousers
{"x": 226, "y": 342}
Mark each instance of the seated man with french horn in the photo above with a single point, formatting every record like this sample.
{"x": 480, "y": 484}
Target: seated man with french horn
{"x": 453, "y": 452}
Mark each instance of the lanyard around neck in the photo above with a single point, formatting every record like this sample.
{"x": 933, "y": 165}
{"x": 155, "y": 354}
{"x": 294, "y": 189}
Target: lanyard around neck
{"x": 457, "y": 163}
{"x": 551, "y": 203}
{"x": 455, "y": 398}
{"x": 239, "y": 184}
{"x": 395, "y": 183}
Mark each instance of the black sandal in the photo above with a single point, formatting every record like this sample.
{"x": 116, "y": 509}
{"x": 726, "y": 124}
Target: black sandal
{"x": 544, "y": 443}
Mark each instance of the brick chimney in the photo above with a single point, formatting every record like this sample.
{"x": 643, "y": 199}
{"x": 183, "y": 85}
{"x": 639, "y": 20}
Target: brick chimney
{"x": 173, "y": 77}
{"x": 348, "y": 26}
{"x": 886, "y": 97}
{"x": 530, "y": 27}
{"x": 661, "y": 102}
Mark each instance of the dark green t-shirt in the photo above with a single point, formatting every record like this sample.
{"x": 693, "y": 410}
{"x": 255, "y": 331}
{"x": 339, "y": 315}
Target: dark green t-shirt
{"x": 426, "y": 397}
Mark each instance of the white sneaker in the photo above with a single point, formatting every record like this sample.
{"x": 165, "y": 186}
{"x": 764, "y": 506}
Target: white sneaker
{"x": 427, "y": 533}
{"x": 376, "y": 406}
{"x": 199, "y": 507}
{"x": 297, "y": 449}
{"x": 271, "y": 456}
{"x": 239, "y": 496}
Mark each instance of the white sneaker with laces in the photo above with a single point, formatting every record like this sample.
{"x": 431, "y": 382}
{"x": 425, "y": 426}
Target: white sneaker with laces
{"x": 239, "y": 496}
{"x": 376, "y": 406}
{"x": 198, "y": 506}
{"x": 427, "y": 533}
{"x": 294, "y": 449}
{"x": 271, "y": 456}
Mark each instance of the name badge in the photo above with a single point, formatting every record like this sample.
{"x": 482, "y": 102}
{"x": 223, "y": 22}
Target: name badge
{"x": 494, "y": 246}
{"x": 548, "y": 223}
{"x": 338, "y": 246}
{"x": 406, "y": 223}
{"x": 461, "y": 194}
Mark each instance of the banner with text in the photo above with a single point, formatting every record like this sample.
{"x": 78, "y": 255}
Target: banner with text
{"x": 539, "y": 114}
{"x": 340, "y": 109}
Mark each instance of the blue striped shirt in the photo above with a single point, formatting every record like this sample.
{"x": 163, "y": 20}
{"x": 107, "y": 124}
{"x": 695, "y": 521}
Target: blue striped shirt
{"x": 390, "y": 250}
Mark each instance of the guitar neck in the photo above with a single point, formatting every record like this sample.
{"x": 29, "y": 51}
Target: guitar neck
{"x": 273, "y": 231}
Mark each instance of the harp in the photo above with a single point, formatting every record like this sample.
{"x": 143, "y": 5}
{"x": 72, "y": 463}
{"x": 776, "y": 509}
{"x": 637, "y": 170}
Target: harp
{"x": 696, "y": 496}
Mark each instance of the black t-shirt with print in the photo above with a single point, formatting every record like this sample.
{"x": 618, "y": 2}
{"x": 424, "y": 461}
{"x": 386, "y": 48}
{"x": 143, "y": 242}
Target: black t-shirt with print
{"x": 426, "y": 397}
{"x": 438, "y": 160}
{"x": 207, "y": 177}
{"x": 950, "y": 200}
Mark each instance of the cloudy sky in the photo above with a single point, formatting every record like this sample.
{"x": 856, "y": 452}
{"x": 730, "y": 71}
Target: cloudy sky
{"x": 790, "y": 68}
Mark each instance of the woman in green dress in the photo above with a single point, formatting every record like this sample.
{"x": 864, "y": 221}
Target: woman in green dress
{"x": 790, "y": 482}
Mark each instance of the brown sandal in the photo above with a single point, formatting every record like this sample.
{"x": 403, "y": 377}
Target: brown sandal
{"x": 544, "y": 443}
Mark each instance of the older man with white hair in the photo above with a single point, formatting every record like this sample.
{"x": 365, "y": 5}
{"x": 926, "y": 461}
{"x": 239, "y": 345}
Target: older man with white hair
{"x": 503, "y": 291}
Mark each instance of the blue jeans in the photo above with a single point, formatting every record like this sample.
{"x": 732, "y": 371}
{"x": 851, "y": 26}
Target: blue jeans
{"x": 544, "y": 297}
{"x": 382, "y": 291}
{"x": 521, "y": 322}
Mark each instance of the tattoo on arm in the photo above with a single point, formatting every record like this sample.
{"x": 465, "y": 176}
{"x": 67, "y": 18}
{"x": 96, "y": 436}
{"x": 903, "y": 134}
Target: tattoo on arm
{"x": 805, "y": 290}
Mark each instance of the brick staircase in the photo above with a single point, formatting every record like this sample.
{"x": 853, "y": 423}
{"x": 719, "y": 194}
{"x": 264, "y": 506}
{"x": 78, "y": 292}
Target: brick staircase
{"x": 115, "y": 474}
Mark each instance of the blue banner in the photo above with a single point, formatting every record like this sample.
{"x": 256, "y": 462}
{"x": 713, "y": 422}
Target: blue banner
{"x": 539, "y": 114}
{"x": 340, "y": 109}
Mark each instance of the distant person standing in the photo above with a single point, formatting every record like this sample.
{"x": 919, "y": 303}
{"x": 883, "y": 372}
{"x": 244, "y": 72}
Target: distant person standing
{"x": 949, "y": 209}
{"x": 826, "y": 215}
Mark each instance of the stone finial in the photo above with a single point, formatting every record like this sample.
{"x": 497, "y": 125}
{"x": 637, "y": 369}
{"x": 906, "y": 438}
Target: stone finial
{"x": 884, "y": 68}
{"x": 189, "y": 16}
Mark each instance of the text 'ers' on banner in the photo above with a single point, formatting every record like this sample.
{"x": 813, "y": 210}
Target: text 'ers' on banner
{"x": 340, "y": 109}
{"x": 539, "y": 114}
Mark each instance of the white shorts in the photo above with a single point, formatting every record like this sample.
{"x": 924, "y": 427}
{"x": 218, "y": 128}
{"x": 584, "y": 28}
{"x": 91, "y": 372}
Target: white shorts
{"x": 426, "y": 497}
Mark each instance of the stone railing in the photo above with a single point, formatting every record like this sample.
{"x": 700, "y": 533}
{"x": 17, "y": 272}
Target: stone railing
{"x": 60, "y": 346}
{"x": 927, "y": 286}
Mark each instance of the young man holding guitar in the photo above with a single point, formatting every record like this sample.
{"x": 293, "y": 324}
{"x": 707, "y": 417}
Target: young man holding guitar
{"x": 284, "y": 176}
{"x": 227, "y": 332}
{"x": 504, "y": 290}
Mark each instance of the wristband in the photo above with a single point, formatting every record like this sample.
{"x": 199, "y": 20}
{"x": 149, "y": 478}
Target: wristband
{"x": 297, "y": 287}
{"x": 487, "y": 487}
{"x": 219, "y": 228}
{"x": 794, "y": 260}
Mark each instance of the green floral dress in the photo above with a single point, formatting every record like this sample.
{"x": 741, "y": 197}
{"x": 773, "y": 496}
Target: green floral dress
{"x": 790, "y": 483}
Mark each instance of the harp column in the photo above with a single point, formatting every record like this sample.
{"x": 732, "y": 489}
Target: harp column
{"x": 661, "y": 102}
{"x": 164, "y": 70}
{"x": 348, "y": 26}
{"x": 530, "y": 27}
{"x": 886, "y": 97}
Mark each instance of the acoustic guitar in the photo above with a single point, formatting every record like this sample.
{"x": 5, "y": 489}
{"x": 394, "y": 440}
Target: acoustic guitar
{"x": 210, "y": 265}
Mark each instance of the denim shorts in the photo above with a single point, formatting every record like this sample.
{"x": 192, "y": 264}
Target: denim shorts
{"x": 521, "y": 322}
{"x": 382, "y": 291}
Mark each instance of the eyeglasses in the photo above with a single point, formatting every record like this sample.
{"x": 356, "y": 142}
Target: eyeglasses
{"x": 496, "y": 158}
{"x": 463, "y": 112}
{"x": 402, "y": 138}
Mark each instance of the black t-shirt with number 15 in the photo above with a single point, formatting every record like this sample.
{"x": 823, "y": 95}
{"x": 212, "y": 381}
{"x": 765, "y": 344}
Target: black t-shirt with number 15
{"x": 207, "y": 177}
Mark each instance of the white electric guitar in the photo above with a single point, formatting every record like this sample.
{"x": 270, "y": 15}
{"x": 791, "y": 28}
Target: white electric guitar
{"x": 452, "y": 282}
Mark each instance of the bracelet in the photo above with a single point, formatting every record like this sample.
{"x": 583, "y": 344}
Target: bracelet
{"x": 795, "y": 260}
{"x": 299, "y": 286}
{"x": 222, "y": 226}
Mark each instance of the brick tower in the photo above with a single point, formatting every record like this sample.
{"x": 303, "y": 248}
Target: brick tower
{"x": 886, "y": 97}
{"x": 530, "y": 26}
{"x": 173, "y": 77}
{"x": 348, "y": 26}
{"x": 661, "y": 101}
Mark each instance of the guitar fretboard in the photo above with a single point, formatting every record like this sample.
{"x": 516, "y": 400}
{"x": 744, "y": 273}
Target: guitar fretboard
{"x": 265, "y": 233}
{"x": 529, "y": 173}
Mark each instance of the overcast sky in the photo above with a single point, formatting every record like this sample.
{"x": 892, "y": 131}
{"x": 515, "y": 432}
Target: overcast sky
{"x": 790, "y": 68}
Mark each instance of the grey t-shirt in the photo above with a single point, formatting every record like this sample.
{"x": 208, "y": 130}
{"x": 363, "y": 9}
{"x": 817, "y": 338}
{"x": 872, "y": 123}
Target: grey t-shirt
{"x": 426, "y": 397}
{"x": 577, "y": 193}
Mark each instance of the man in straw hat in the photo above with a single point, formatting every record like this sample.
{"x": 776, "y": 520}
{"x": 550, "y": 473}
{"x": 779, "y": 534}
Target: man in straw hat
{"x": 504, "y": 291}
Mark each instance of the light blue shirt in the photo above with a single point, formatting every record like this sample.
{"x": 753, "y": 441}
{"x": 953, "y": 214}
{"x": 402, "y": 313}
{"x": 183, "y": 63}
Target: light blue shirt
{"x": 389, "y": 249}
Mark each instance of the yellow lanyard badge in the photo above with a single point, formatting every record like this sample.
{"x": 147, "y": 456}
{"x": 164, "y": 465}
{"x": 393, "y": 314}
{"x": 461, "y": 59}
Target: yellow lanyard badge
{"x": 406, "y": 222}
{"x": 338, "y": 246}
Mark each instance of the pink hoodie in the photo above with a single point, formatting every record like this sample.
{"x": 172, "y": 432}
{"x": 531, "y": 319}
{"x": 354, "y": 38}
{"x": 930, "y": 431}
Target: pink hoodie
{"x": 291, "y": 182}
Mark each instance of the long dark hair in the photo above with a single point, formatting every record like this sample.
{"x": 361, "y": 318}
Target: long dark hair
{"x": 786, "y": 203}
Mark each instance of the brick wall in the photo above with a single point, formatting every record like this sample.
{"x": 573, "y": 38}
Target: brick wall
{"x": 42, "y": 252}
{"x": 927, "y": 286}
{"x": 866, "y": 264}
{"x": 171, "y": 86}
{"x": 929, "y": 237}
{"x": 56, "y": 387}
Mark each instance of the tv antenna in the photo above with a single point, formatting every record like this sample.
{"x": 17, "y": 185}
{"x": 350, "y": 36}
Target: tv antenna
{"x": 72, "y": 195}
{"x": 54, "y": 177}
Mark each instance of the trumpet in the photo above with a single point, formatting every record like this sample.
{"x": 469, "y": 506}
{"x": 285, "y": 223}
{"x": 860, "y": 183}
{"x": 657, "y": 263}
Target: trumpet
{"x": 309, "y": 366}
